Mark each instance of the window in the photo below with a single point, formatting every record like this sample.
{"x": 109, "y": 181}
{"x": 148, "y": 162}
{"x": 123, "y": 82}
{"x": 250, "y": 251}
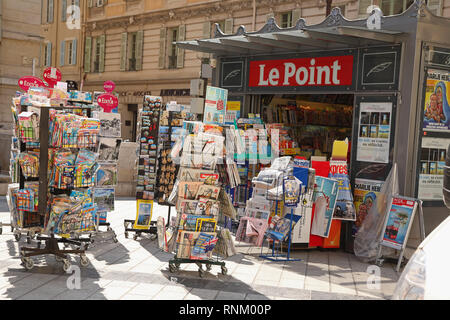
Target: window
{"x": 48, "y": 54}
{"x": 72, "y": 52}
{"x": 391, "y": 7}
{"x": 132, "y": 53}
{"x": 96, "y": 55}
{"x": 173, "y": 36}
{"x": 286, "y": 19}
{"x": 50, "y": 6}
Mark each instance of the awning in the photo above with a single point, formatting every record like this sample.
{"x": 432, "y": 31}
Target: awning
{"x": 335, "y": 32}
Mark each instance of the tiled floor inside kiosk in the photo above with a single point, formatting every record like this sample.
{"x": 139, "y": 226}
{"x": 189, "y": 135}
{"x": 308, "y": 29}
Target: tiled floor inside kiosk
{"x": 137, "y": 269}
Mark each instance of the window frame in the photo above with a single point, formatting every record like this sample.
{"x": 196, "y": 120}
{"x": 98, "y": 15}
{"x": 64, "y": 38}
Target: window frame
{"x": 172, "y": 53}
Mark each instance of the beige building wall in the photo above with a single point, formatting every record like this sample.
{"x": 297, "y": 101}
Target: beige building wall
{"x": 20, "y": 53}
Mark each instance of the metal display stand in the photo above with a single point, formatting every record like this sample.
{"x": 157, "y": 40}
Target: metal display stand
{"x": 275, "y": 254}
{"x": 51, "y": 242}
{"x": 382, "y": 243}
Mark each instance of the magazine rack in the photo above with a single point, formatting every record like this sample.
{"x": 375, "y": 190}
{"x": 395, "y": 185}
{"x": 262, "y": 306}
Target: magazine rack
{"x": 51, "y": 242}
{"x": 278, "y": 238}
{"x": 192, "y": 242}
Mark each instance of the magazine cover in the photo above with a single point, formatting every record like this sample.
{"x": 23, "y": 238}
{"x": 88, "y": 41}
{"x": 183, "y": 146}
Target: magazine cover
{"x": 108, "y": 149}
{"x": 345, "y": 208}
{"x": 215, "y": 105}
{"x": 143, "y": 214}
{"x": 186, "y": 241}
{"x": 207, "y": 191}
{"x": 186, "y": 206}
{"x": 207, "y": 207}
{"x": 204, "y": 245}
{"x": 104, "y": 199}
{"x": 325, "y": 196}
{"x": 110, "y": 124}
{"x": 206, "y": 225}
{"x": 106, "y": 175}
{"x": 188, "y": 222}
{"x": 188, "y": 190}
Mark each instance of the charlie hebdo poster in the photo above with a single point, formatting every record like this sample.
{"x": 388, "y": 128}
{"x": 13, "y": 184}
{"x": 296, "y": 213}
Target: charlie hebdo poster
{"x": 436, "y": 108}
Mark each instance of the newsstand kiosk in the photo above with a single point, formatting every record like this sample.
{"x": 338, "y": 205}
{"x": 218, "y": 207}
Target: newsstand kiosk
{"x": 393, "y": 72}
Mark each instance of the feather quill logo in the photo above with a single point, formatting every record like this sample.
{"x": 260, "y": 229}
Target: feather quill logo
{"x": 379, "y": 68}
{"x": 232, "y": 74}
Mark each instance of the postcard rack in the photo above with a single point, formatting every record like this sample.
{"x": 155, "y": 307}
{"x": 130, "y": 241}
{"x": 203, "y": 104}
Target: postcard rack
{"x": 41, "y": 198}
{"x": 200, "y": 186}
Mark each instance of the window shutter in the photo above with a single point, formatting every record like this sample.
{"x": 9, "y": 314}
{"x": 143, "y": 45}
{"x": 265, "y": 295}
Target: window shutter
{"x": 363, "y": 4}
{"x": 139, "y": 49}
{"x": 90, "y": 3}
{"x": 50, "y": 11}
{"x": 435, "y": 6}
{"x": 62, "y": 53}
{"x": 123, "y": 52}
{"x": 101, "y": 64}
{"x": 180, "y": 52}
{"x": 48, "y": 59}
{"x": 74, "y": 51}
{"x": 162, "y": 47}
{"x": 64, "y": 10}
{"x": 87, "y": 54}
{"x": 206, "y": 30}
{"x": 229, "y": 26}
{"x": 296, "y": 15}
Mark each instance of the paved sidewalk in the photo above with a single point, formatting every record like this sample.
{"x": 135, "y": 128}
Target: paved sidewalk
{"x": 138, "y": 270}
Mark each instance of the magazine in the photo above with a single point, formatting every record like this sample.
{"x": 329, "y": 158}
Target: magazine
{"x": 104, "y": 199}
{"x": 106, "y": 175}
{"x": 110, "y": 124}
{"x": 207, "y": 207}
{"x": 108, "y": 149}
{"x": 204, "y": 245}
{"x": 206, "y": 225}
{"x": 188, "y": 190}
{"x": 209, "y": 192}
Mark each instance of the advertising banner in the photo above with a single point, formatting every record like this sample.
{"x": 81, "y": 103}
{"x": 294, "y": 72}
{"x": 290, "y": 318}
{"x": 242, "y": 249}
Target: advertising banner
{"x": 399, "y": 218}
{"x": 374, "y": 132}
{"x": 215, "y": 105}
{"x": 365, "y": 193}
{"x": 437, "y": 108}
{"x": 325, "y": 196}
{"x": 345, "y": 209}
{"x": 432, "y": 162}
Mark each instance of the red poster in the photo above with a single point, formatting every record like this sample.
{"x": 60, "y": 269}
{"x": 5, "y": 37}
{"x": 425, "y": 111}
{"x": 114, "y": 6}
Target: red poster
{"x": 28, "y": 82}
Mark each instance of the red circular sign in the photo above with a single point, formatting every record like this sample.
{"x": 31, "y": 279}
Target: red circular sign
{"x": 27, "y": 82}
{"x": 52, "y": 76}
{"x": 107, "y": 101}
{"x": 109, "y": 86}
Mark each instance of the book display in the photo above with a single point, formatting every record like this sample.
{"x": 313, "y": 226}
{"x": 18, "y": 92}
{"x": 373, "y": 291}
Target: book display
{"x": 201, "y": 200}
{"x": 54, "y": 201}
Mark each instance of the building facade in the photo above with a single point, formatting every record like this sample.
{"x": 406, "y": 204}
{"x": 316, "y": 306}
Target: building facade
{"x": 20, "y": 54}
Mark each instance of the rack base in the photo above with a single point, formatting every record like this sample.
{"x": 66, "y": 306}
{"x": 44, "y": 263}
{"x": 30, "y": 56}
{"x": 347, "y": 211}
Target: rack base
{"x": 128, "y": 224}
{"x": 104, "y": 236}
{"x": 174, "y": 265}
{"x": 51, "y": 247}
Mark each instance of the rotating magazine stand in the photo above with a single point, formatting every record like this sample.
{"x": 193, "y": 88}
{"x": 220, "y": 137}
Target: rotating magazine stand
{"x": 51, "y": 242}
{"x": 292, "y": 195}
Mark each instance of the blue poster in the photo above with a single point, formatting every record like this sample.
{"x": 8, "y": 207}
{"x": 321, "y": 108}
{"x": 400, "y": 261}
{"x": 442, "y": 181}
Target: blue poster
{"x": 398, "y": 221}
{"x": 345, "y": 208}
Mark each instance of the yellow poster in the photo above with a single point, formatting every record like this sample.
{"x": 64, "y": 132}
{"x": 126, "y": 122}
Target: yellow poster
{"x": 437, "y": 108}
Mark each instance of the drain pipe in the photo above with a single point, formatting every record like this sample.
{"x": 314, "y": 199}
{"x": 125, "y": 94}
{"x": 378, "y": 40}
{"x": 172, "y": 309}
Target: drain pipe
{"x": 254, "y": 16}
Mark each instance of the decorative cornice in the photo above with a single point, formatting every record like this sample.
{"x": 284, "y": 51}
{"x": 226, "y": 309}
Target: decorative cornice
{"x": 207, "y": 10}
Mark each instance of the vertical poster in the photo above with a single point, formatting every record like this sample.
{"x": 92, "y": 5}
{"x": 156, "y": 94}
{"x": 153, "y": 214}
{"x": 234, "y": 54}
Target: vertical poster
{"x": 374, "y": 132}
{"x": 345, "y": 209}
{"x": 399, "y": 219}
{"x": 437, "y": 109}
{"x": 215, "y": 105}
{"x": 365, "y": 194}
{"x": 432, "y": 162}
{"x": 325, "y": 196}
{"x": 233, "y": 111}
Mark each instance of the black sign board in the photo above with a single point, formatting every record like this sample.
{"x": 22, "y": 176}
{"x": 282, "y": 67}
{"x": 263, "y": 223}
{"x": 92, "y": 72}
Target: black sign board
{"x": 379, "y": 68}
{"x": 439, "y": 57}
{"x": 72, "y": 85}
{"x": 232, "y": 74}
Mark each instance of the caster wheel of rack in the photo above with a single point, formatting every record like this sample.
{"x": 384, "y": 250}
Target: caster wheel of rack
{"x": 126, "y": 235}
{"x": 66, "y": 265}
{"x": 201, "y": 273}
{"x": 224, "y": 271}
{"x": 115, "y": 239}
{"x": 39, "y": 244}
{"x": 135, "y": 237}
{"x": 172, "y": 268}
{"x": 29, "y": 264}
{"x": 108, "y": 229}
{"x": 12, "y": 229}
{"x": 17, "y": 236}
{"x": 28, "y": 239}
{"x": 84, "y": 261}
{"x": 208, "y": 267}
{"x": 1, "y": 230}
